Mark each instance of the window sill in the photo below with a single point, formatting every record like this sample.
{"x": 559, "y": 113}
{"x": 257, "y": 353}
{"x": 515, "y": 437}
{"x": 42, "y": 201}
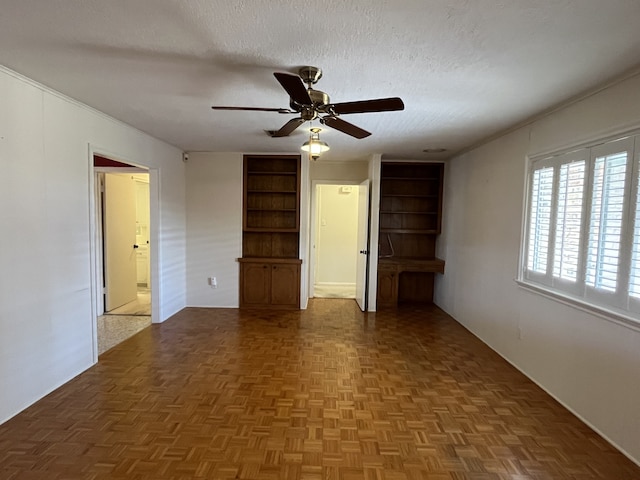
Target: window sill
{"x": 608, "y": 314}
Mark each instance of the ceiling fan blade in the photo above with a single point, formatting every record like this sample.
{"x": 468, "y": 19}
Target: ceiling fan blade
{"x": 294, "y": 87}
{"x": 345, "y": 127}
{"x": 255, "y": 109}
{"x": 366, "y": 106}
{"x": 288, "y": 127}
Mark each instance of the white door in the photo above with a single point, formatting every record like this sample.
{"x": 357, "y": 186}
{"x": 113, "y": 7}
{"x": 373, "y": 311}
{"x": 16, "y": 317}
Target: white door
{"x": 119, "y": 240}
{"x": 142, "y": 228}
{"x": 362, "y": 269}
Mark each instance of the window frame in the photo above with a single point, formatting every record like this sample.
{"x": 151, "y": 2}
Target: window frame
{"x": 618, "y": 305}
{"x": 617, "y": 298}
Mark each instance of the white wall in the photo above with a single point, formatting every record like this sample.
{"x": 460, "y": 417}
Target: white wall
{"x": 590, "y": 364}
{"x": 337, "y": 237}
{"x": 214, "y": 228}
{"x": 46, "y": 322}
{"x": 338, "y": 171}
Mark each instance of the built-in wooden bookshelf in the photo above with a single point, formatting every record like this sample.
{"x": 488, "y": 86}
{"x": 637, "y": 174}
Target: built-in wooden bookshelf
{"x": 270, "y": 264}
{"x": 410, "y": 220}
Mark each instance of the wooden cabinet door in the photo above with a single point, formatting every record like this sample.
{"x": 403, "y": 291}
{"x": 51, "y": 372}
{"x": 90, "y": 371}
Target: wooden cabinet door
{"x": 255, "y": 284}
{"x": 387, "y": 288}
{"x": 285, "y": 284}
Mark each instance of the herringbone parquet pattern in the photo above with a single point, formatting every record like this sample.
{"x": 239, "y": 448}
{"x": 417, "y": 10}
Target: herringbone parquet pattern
{"x": 324, "y": 394}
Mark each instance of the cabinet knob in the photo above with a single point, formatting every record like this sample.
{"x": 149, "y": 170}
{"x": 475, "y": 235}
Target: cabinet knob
{"x": 364, "y": 252}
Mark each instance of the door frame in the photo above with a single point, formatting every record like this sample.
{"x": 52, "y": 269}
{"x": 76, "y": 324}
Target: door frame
{"x": 313, "y": 226}
{"x": 365, "y": 230}
{"x": 95, "y": 234}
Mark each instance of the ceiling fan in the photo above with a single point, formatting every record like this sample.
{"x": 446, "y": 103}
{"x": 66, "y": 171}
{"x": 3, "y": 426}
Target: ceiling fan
{"x": 311, "y": 104}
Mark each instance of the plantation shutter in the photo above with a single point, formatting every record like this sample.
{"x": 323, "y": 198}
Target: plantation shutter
{"x": 568, "y": 220}
{"x": 540, "y": 220}
{"x": 605, "y": 227}
{"x": 634, "y": 274}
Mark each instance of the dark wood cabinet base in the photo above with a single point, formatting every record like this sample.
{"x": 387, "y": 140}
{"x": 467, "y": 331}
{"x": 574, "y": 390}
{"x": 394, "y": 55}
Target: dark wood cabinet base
{"x": 269, "y": 283}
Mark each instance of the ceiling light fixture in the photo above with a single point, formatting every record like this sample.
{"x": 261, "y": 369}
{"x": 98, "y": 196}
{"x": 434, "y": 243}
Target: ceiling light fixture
{"x": 314, "y": 145}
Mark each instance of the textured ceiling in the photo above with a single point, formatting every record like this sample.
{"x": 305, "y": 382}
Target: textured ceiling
{"x": 466, "y": 69}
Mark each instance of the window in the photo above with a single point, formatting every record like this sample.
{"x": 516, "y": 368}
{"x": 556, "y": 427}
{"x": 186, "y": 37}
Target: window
{"x": 540, "y": 219}
{"x": 582, "y": 237}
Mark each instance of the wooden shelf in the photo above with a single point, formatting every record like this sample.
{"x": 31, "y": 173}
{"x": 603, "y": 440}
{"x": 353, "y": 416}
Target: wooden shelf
{"x": 408, "y": 230}
{"x": 255, "y": 172}
{"x": 269, "y": 259}
{"x": 408, "y": 195}
{"x": 410, "y": 219}
{"x": 414, "y": 264}
{"x": 270, "y": 229}
{"x": 390, "y": 212}
{"x": 270, "y": 264}
{"x": 413, "y": 178}
{"x": 271, "y": 210}
{"x": 272, "y": 191}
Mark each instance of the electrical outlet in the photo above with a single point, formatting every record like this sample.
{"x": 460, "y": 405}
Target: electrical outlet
{"x": 213, "y": 282}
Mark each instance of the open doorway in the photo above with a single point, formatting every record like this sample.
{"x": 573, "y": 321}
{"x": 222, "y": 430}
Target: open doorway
{"x": 122, "y": 200}
{"x": 125, "y": 239}
{"x": 335, "y": 251}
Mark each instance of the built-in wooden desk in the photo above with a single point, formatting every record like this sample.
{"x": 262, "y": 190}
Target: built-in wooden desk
{"x": 406, "y": 279}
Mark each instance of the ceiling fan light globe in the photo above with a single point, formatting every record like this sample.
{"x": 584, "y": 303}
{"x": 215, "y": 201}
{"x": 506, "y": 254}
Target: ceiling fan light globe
{"x": 315, "y": 147}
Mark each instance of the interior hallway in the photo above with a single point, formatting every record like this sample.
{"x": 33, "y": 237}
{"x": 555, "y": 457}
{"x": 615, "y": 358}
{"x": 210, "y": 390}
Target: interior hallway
{"x": 123, "y": 322}
{"x": 326, "y": 393}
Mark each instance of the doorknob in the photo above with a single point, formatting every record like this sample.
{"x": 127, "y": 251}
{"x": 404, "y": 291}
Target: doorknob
{"x": 364, "y": 252}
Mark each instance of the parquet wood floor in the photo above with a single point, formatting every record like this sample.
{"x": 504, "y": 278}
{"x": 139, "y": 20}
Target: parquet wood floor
{"x": 325, "y": 394}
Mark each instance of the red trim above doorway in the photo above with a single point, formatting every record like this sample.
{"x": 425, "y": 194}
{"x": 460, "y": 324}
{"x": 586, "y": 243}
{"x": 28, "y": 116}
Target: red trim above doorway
{"x": 99, "y": 161}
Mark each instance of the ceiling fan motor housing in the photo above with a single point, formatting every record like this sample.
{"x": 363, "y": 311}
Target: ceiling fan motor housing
{"x": 319, "y": 100}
